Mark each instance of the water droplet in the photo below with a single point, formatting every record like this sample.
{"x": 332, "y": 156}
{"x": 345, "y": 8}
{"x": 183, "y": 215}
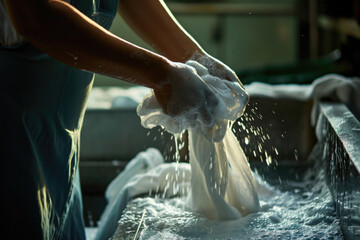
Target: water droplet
{"x": 276, "y": 151}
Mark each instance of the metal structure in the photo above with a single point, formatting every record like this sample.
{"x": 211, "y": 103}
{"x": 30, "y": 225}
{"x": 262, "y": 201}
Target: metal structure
{"x": 340, "y": 144}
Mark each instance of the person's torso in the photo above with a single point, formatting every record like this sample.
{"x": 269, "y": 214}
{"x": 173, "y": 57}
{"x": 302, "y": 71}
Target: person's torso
{"x": 44, "y": 103}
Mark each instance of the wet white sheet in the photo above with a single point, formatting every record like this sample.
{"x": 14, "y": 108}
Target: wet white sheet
{"x": 222, "y": 184}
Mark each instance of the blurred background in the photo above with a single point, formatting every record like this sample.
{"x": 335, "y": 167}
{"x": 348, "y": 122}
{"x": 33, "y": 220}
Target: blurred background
{"x": 273, "y": 41}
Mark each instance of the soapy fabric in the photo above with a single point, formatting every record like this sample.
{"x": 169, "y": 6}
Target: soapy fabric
{"x": 330, "y": 87}
{"x": 145, "y": 172}
{"x": 222, "y": 184}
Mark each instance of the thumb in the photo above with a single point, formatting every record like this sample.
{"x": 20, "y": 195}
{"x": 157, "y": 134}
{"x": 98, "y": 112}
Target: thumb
{"x": 163, "y": 98}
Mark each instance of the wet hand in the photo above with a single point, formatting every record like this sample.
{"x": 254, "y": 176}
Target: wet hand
{"x": 185, "y": 94}
{"x": 216, "y": 67}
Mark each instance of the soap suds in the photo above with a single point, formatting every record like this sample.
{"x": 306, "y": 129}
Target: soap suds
{"x": 222, "y": 183}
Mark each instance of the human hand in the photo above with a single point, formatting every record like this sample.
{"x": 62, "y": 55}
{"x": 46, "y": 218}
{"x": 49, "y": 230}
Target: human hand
{"x": 185, "y": 94}
{"x": 215, "y": 67}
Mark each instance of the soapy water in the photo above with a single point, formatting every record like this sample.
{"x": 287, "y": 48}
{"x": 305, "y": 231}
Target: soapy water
{"x": 222, "y": 185}
{"x": 304, "y": 212}
{"x": 292, "y": 210}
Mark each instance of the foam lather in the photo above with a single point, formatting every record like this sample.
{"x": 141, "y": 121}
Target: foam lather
{"x": 222, "y": 183}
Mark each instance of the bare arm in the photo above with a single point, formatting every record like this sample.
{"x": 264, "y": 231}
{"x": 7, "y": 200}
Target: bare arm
{"x": 153, "y": 22}
{"x": 66, "y": 34}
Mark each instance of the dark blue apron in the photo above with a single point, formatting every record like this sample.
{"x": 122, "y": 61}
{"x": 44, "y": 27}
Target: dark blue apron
{"x": 42, "y": 104}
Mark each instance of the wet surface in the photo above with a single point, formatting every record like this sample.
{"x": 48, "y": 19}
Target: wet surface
{"x": 291, "y": 209}
{"x": 341, "y": 155}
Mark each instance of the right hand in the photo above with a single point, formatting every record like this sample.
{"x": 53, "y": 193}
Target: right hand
{"x": 185, "y": 93}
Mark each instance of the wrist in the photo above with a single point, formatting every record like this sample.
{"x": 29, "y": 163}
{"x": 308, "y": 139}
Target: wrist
{"x": 147, "y": 68}
{"x": 198, "y": 55}
{"x": 160, "y": 80}
{"x": 195, "y": 55}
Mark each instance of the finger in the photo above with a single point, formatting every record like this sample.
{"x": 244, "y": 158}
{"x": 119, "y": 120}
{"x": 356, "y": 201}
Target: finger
{"x": 231, "y": 76}
{"x": 163, "y": 99}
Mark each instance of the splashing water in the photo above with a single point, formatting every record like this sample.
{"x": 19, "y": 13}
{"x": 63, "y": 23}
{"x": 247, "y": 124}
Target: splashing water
{"x": 303, "y": 211}
{"x": 292, "y": 209}
{"x": 255, "y": 135}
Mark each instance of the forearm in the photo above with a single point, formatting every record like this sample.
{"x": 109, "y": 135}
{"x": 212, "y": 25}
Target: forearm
{"x": 156, "y": 25}
{"x": 66, "y": 34}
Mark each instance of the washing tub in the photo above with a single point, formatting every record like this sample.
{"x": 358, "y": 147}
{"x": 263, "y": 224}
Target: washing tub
{"x": 276, "y": 135}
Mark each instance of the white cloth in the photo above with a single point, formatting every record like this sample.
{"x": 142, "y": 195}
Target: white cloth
{"x": 222, "y": 184}
{"x": 141, "y": 176}
{"x": 143, "y": 162}
{"x": 332, "y": 87}
{"x": 145, "y": 173}
{"x": 231, "y": 97}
